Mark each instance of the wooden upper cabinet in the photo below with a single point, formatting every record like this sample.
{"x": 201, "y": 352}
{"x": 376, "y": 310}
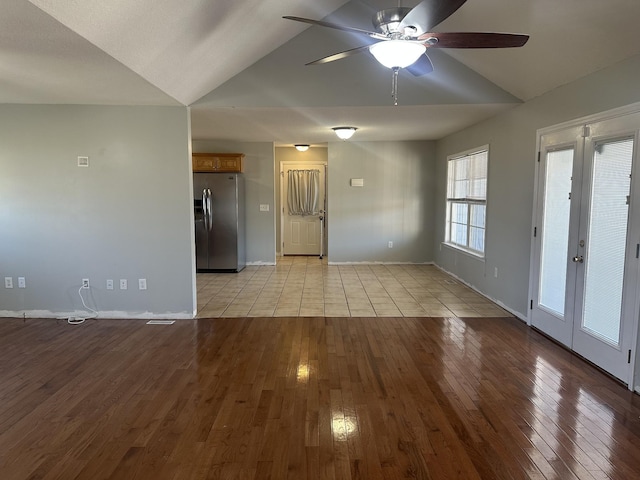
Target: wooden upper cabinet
{"x": 217, "y": 162}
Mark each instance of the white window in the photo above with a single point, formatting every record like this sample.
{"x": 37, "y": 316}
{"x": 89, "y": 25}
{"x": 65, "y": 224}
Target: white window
{"x": 467, "y": 200}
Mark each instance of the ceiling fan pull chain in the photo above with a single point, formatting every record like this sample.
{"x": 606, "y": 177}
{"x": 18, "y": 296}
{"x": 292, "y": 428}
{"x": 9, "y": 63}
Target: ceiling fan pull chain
{"x": 394, "y": 86}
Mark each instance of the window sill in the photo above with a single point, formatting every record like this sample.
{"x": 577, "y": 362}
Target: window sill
{"x": 471, "y": 253}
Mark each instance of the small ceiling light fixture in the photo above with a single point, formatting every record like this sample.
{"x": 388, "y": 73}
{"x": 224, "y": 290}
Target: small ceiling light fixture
{"x": 344, "y": 133}
{"x": 301, "y": 147}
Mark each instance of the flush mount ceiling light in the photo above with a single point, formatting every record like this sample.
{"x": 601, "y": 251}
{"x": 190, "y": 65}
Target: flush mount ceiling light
{"x": 344, "y": 133}
{"x": 397, "y": 53}
{"x": 301, "y": 147}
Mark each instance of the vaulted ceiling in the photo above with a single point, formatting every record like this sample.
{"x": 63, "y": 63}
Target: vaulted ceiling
{"x": 241, "y": 67}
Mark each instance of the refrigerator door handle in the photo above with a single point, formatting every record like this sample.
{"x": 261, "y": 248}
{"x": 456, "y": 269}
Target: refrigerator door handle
{"x": 209, "y": 211}
{"x": 205, "y": 214}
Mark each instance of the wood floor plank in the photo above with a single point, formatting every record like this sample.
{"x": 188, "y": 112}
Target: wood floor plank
{"x": 307, "y": 398}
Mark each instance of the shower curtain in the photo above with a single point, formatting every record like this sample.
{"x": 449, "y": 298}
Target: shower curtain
{"x": 303, "y": 194}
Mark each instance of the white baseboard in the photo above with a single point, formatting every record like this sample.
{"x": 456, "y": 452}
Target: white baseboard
{"x": 516, "y": 314}
{"x": 118, "y": 315}
{"x": 253, "y": 264}
{"x": 378, "y": 263}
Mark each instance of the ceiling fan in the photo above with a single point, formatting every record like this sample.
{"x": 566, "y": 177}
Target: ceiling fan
{"x": 404, "y": 34}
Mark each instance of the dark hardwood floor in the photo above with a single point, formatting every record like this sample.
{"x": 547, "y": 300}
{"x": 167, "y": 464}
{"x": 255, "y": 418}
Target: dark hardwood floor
{"x": 307, "y": 398}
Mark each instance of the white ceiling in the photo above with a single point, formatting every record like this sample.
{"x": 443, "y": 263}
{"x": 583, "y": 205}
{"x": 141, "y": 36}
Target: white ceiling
{"x": 240, "y": 66}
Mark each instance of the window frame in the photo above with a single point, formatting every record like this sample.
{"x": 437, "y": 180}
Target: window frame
{"x": 469, "y": 201}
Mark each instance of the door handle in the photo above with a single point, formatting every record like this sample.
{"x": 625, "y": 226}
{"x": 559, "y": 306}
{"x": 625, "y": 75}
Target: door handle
{"x": 205, "y": 213}
{"x": 209, "y": 210}
{"x": 578, "y": 259}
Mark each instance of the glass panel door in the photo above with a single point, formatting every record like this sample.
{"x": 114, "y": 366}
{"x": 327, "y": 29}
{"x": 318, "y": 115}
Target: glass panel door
{"x": 558, "y": 208}
{"x": 606, "y": 287}
{"x": 585, "y": 263}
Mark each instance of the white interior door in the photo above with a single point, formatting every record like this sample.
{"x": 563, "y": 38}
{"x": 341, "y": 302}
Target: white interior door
{"x": 584, "y": 281}
{"x": 302, "y": 234}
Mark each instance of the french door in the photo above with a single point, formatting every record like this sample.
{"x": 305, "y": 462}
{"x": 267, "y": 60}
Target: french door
{"x": 587, "y": 242}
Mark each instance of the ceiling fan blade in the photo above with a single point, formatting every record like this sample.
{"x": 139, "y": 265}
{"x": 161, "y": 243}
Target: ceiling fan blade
{"x": 473, "y": 40}
{"x": 336, "y": 26}
{"x": 339, "y": 56}
{"x": 429, "y": 13}
{"x": 421, "y": 67}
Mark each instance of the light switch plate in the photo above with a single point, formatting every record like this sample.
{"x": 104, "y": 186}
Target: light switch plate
{"x": 264, "y": 207}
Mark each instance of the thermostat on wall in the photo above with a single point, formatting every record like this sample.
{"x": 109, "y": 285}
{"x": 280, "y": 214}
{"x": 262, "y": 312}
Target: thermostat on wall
{"x": 357, "y": 182}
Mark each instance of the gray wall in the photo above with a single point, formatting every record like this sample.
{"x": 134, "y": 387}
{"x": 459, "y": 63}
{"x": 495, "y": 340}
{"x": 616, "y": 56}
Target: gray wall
{"x": 129, "y": 215}
{"x": 512, "y": 142}
{"x": 259, "y": 175}
{"x": 396, "y": 203}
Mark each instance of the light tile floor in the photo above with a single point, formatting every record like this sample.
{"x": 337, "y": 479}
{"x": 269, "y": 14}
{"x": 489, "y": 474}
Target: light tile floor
{"x": 308, "y": 287}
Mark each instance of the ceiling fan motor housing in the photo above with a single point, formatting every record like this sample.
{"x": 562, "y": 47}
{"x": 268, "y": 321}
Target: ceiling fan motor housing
{"x": 388, "y": 21}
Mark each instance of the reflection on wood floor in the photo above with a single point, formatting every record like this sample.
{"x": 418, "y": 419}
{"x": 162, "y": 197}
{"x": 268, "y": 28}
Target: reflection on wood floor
{"x": 306, "y": 398}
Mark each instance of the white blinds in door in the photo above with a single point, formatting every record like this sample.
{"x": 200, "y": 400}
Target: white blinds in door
{"x": 607, "y": 234}
{"x": 555, "y": 230}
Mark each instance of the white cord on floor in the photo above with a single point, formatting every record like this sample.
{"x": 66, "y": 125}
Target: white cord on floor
{"x": 79, "y": 320}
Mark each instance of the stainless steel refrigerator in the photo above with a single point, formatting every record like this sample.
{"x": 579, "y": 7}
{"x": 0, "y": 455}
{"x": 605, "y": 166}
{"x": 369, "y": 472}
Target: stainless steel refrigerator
{"x": 219, "y": 221}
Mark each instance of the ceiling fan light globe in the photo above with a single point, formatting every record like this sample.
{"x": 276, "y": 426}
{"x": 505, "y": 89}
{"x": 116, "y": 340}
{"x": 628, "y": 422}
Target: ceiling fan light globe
{"x": 397, "y": 53}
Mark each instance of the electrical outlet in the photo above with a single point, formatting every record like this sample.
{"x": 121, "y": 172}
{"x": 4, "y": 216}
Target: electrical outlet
{"x": 264, "y": 207}
{"x": 142, "y": 284}
{"x": 8, "y": 282}
{"x": 390, "y": 244}
{"x": 109, "y": 284}
{"x": 495, "y": 272}
{"x": 85, "y": 283}
{"x": 123, "y": 284}
{"x": 22, "y": 283}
